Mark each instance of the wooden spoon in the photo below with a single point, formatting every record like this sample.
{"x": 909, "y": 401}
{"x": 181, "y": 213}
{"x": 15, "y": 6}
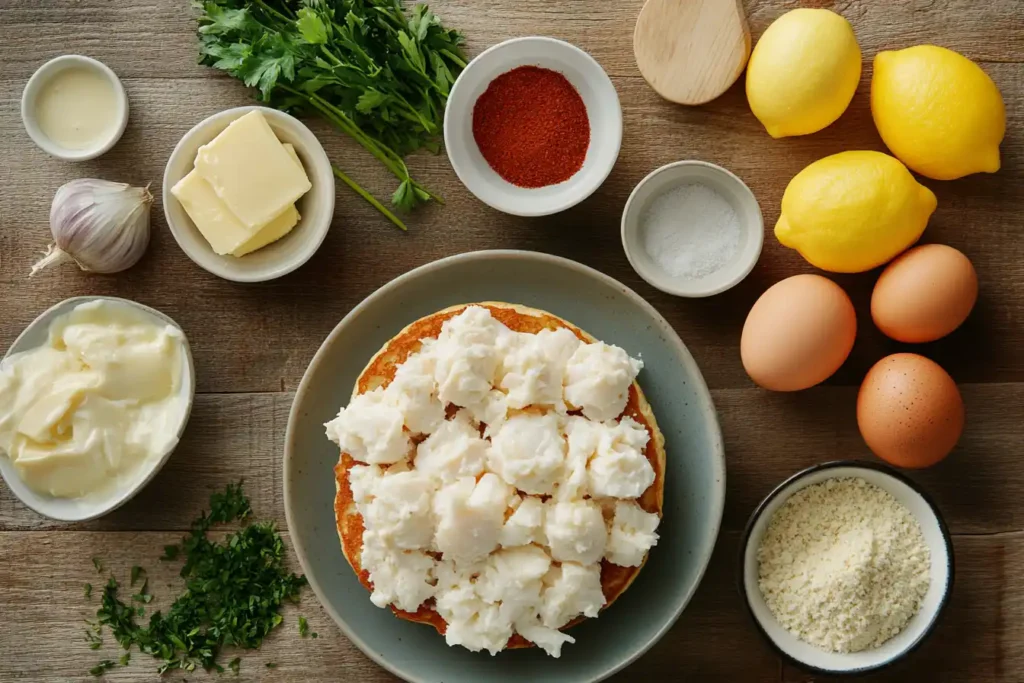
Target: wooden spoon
{"x": 691, "y": 51}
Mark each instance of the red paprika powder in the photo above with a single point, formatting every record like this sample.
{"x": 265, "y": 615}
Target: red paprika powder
{"x": 532, "y": 127}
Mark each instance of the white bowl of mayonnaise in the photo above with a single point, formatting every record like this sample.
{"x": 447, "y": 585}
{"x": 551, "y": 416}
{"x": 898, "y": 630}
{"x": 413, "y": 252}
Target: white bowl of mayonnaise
{"x": 74, "y": 108}
{"x": 94, "y": 396}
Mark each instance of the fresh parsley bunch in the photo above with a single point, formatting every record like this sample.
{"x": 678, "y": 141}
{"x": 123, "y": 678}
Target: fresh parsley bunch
{"x": 378, "y": 73}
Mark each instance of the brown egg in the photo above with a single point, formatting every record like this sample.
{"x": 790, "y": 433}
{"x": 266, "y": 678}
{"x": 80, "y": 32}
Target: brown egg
{"x": 798, "y": 333}
{"x": 909, "y": 411}
{"x": 924, "y": 294}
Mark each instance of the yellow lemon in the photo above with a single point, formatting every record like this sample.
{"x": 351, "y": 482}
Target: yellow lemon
{"x": 937, "y": 111}
{"x": 853, "y": 211}
{"x": 803, "y": 72}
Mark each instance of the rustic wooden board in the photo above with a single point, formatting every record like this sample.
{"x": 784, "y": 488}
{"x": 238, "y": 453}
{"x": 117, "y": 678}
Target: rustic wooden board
{"x": 252, "y": 343}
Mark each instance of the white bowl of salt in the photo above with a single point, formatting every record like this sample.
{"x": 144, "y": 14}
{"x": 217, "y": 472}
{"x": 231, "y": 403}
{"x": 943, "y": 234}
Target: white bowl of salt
{"x": 692, "y": 229}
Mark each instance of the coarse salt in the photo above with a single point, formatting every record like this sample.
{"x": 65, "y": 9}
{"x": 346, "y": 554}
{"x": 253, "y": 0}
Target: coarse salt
{"x": 690, "y": 231}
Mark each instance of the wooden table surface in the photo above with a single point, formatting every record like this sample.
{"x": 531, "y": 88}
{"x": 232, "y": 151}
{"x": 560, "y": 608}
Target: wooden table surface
{"x": 253, "y": 342}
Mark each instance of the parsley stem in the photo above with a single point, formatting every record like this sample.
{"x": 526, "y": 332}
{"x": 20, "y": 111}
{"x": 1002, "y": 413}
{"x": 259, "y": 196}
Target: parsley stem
{"x": 273, "y": 12}
{"x": 369, "y": 197}
{"x": 454, "y": 57}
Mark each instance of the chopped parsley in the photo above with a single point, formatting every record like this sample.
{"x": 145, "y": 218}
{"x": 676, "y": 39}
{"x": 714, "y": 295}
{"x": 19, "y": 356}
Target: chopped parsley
{"x": 303, "y": 627}
{"x": 99, "y": 565}
{"x": 88, "y": 591}
{"x": 235, "y": 664}
{"x": 233, "y": 593}
{"x": 103, "y": 667}
{"x": 137, "y": 571}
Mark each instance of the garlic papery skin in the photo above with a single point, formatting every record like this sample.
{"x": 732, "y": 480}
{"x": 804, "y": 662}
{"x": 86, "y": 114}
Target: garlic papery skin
{"x": 100, "y": 225}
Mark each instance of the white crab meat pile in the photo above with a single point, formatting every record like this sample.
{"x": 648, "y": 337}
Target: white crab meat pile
{"x": 501, "y": 514}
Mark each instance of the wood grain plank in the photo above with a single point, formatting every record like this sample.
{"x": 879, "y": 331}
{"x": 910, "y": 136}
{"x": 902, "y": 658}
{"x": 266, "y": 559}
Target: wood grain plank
{"x": 978, "y": 639}
{"x": 767, "y": 438}
{"x": 44, "y": 584}
{"x": 245, "y": 338}
{"x": 156, "y": 39}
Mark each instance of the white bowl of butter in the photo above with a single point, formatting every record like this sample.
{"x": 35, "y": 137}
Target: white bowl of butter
{"x": 74, "y": 108}
{"x": 94, "y": 396}
{"x": 249, "y": 194}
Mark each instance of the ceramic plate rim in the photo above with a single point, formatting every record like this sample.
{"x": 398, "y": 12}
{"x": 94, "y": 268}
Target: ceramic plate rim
{"x": 718, "y": 456}
{"x": 850, "y": 464}
{"x": 158, "y": 464}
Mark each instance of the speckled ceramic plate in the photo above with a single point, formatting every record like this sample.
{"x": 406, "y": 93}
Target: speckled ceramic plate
{"x": 694, "y": 482}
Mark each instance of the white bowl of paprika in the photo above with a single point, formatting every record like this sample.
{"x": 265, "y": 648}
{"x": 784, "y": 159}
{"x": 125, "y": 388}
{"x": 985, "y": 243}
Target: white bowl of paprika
{"x": 533, "y": 126}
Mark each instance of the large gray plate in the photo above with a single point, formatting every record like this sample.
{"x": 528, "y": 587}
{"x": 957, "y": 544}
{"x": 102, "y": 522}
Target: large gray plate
{"x": 694, "y": 482}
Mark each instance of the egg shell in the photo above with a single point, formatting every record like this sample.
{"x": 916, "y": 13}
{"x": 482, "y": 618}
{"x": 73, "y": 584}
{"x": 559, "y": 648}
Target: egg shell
{"x": 798, "y": 333}
{"x": 924, "y": 294}
{"x": 909, "y": 411}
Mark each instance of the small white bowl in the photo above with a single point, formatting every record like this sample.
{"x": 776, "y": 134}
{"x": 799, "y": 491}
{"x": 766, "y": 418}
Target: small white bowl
{"x": 936, "y": 536}
{"x": 82, "y": 509}
{"x": 316, "y": 207}
{"x": 729, "y": 186}
{"x": 603, "y": 110}
{"x": 34, "y": 87}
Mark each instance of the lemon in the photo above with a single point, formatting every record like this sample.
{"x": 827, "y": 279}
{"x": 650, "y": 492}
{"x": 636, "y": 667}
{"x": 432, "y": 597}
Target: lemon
{"x": 803, "y": 72}
{"x": 937, "y": 111}
{"x": 853, "y": 211}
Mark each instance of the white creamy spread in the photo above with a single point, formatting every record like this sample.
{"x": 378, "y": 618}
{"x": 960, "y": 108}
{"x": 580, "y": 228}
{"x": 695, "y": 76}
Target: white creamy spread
{"x": 597, "y": 380}
{"x": 534, "y": 368}
{"x": 453, "y": 451}
{"x": 631, "y": 534}
{"x": 529, "y": 452}
{"x": 371, "y": 429}
{"x": 468, "y": 489}
{"x": 619, "y": 468}
{"x": 82, "y": 413}
{"x": 575, "y": 531}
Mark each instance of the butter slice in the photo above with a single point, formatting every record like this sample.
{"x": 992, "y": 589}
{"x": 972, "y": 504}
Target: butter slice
{"x": 249, "y": 169}
{"x": 219, "y": 226}
{"x": 277, "y": 228}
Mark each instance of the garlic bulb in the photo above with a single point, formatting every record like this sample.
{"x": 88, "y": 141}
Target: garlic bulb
{"x": 100, "y": 225}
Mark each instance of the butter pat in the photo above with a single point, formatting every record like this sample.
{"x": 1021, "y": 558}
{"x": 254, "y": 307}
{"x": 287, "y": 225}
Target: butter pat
{"x": 221, "y": 228}
{"x": 249, "y": 169}
{"x": 280, "y": 226}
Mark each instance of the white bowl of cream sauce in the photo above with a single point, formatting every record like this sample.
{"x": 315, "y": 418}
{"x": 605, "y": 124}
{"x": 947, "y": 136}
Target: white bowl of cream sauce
{"x": 74, "y": 108}
{"x": 94, "y": 396}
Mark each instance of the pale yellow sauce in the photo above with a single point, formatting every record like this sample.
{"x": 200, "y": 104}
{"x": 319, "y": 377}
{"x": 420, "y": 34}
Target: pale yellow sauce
{"x": 77, "y": 107}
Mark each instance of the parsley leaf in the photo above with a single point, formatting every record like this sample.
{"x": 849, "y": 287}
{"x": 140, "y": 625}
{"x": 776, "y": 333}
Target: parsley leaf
{"x": 88, "y": 591}
{"x": 102, "y": 668}
{"x": 96, "y": 563}
{"x": 125, "y": 658}
{"x": 303, "y": 627}
{"x": 137, "y": 571}
{"x": 311, "y": 26}
{"x": 235, "y": 664}
{"x": 378, "y": 72}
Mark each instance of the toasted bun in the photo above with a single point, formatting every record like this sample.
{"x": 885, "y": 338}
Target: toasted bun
{"x": 379, "y": 373}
